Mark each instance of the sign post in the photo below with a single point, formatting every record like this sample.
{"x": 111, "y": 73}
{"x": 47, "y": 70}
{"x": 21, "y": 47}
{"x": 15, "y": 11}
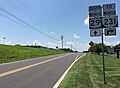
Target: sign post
{"x": 99, "y": 20}
{"x": 117, "y": 49}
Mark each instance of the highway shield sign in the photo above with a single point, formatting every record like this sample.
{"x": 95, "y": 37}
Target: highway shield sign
{"x": 111, "y": 21}
{"x": 95, "y": 23}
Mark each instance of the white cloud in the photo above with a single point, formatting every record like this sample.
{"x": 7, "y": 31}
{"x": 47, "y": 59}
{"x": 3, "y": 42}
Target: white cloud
{"x": 76, "y": 36}
{"x": 86, "y": 21}
{"x": 119, "y": 28}
{"x": 112, "y": 43}
{"x": 37, "y": 43}
{"x": 52, "y": 32}
{"x": 70, "y": 43}
{"x": 53, "y": 45}
{"x": 78, "y": 46}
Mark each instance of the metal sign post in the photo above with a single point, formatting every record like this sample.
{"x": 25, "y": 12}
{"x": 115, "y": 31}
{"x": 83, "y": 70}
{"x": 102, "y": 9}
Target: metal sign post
{"x": 103, "y": 61}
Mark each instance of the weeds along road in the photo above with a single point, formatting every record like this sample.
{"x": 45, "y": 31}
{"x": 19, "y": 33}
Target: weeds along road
{"x": 36, "y": 73}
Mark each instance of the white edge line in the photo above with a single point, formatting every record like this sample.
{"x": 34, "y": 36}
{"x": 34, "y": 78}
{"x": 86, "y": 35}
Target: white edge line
{"x": 65, "y": 73}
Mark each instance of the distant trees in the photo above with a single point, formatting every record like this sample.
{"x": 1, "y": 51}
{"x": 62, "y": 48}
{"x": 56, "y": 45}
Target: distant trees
{"x": 97, "y": 48}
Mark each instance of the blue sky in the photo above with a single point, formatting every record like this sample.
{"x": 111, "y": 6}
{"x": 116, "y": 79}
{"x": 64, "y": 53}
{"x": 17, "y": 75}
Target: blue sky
{"x": 53, "y": 17}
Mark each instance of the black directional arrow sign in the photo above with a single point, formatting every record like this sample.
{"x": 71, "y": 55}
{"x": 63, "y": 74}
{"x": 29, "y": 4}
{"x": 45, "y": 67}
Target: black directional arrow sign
{"x": 110, "y": 31}
{"x": 95, "y": 32}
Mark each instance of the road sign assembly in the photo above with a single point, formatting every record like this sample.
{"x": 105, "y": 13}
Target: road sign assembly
{"x": 110, "y": 31}
{"x": 95, "y": 32}
{"x": 101, "y": 17}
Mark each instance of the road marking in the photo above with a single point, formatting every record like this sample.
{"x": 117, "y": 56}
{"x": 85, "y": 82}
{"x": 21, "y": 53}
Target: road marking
{"x": 65, "y": 73}
{"x": 30, "y": 66}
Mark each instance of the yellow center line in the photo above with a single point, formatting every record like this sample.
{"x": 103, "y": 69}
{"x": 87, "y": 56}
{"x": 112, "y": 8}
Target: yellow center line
{"x": 30, "y": 66}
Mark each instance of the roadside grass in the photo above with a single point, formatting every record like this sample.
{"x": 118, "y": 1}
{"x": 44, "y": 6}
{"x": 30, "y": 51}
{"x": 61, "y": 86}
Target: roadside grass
{"x": 16, "y": 53}
{"x": 87, "y": 73}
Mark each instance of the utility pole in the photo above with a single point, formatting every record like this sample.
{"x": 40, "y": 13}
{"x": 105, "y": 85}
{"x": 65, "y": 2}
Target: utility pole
{"x": 71, "y": 46}
{"x": 62, "y": 40}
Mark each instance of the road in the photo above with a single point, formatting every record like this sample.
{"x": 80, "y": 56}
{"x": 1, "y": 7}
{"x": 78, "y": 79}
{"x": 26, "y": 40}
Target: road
{"x": 35, "y": 73}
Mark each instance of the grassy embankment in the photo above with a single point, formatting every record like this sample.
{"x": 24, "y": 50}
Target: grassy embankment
{"x": 15, "y": 53}
{"x": 87, "y": 73}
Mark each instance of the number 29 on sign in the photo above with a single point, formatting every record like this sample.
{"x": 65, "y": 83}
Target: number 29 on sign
{"x": 94, "y": 23}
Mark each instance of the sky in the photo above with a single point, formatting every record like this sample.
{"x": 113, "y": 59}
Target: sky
{"x": 42, "y": 22}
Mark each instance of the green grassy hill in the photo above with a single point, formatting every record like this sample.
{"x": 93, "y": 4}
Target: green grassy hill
{"x": 14, "y": 53}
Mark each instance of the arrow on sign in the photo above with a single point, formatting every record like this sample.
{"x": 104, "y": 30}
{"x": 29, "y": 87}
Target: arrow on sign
{"x": 95, "y": 32}
{"x": 108, "y": 32}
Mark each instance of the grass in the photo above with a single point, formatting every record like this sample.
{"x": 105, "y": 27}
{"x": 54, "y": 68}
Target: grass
{"x": 87, "y": 73}
{"x": 16, "y": 53}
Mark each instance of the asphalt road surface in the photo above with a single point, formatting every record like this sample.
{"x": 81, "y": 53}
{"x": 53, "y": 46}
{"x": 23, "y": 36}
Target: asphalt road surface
{"x": 36, "y": 73}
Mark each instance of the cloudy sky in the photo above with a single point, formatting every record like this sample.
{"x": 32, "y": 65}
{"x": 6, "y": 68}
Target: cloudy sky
{"x": 44, "y": 21}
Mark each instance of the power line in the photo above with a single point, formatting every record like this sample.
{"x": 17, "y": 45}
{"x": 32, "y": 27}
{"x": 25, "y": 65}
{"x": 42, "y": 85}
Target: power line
{"x": 26, "y": 23}
{"x": 31, "y": 11}
{"x": 23, "y": 11}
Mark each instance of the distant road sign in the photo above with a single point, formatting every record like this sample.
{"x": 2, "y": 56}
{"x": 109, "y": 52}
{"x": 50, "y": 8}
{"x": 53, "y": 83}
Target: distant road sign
{"x": 111, "y": 21}
{"x": 95, "y": 14}
{"x": 110, "y": 31}
{"x": 91, "y": 43}
{"x": 116, "y": 49}
{"x": 95, "y": 23}
{"x": 109, "y": 12}
{"x": 95, "y": 32}
{"x": 95, "y": 8}
{"x": 109, "y": 6}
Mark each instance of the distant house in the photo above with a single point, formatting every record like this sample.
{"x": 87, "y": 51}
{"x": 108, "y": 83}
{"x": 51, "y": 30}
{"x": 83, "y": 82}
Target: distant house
{"x": 111, "y": 50}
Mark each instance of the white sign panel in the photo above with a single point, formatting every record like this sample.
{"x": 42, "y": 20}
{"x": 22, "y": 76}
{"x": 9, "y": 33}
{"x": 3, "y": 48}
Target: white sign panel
{"x": 95, "y": 32}
{"x": 95, "y": 23}
{"x": 111, "y": 21}
{"x": 110, "y": 31}
{"x": 95, "y": 14}
{"x": 109, "y": 6}
{"x": 109, "y": 12}
{"x": 94, "y": 8}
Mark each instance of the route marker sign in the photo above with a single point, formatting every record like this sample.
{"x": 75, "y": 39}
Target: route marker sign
{"x": 111, "y": 21}
{"x": 95, "y": 32}
{"x": 109, "y": 6}
{"x": 109, "y": 12}
{"x": 95, "y": 8}
{"x": 95, "y": 23}
{"x": 95, "y": 14}
{"x": 110, "y": 31}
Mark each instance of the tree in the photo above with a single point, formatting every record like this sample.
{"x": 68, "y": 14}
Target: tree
{"x": 97, "y": 48}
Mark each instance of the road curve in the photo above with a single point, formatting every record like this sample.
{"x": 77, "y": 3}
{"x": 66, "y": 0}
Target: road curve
{"x": 36, "y": 73}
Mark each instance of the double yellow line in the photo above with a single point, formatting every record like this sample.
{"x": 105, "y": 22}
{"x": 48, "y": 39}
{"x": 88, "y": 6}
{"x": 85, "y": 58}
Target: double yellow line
{"x": 30, "y": 66}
